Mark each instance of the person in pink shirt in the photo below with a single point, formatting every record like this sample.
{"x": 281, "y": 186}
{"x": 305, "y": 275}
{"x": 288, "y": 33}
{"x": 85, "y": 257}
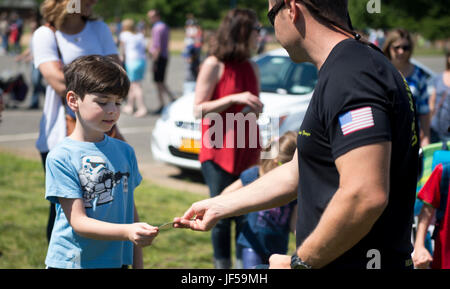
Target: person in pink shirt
{"x": 159, "y": 51}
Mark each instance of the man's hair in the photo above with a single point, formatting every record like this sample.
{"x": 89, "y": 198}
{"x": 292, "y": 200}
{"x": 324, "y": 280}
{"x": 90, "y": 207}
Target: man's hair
{"x": 96, "y": 74}
{"x": 232, "y": 40}
{"x": 334, "y": 12}
{"x": 331, "y": 13}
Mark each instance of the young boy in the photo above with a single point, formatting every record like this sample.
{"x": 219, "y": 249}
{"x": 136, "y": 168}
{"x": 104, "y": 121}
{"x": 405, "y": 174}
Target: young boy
{"x": 91, "y": 177}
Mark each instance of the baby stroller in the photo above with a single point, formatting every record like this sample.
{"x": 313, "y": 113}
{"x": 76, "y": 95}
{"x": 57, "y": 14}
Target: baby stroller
{"x": 14, "y": 86}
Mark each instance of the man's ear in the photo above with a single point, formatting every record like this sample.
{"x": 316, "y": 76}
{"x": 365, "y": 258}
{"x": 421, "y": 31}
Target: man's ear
{"x": 72, "y": 100}
{"x": 294, "y": 9}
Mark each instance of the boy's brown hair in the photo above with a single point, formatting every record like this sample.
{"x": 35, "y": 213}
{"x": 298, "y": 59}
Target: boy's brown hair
{"x": 96, "y": 74}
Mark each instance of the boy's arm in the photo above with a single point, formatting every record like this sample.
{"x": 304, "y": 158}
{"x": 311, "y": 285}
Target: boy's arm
{"x": 138, "y": 257}
{"x": 422, "y": 256}
{"x": 141, "y": 234}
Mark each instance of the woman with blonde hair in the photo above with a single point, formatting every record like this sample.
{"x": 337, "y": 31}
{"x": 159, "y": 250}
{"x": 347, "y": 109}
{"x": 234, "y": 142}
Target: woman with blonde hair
{"x": 68, "y": 34}
{"x": 399, "y": 47}
{"x": 133, "y": 53}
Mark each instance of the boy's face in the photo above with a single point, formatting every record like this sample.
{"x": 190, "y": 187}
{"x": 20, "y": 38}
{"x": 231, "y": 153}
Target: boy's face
{"x": 98, "y": 113}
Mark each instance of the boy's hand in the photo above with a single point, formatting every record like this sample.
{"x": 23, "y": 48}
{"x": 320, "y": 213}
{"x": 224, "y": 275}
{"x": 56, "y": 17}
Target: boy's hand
{"x": 142, "y": 234}
{"x": 278, "y": 261}
{"x": 422, "y": 258}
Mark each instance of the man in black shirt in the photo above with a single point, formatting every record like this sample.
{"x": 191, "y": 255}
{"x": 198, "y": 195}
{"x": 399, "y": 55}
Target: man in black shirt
{"x": 357, "y": 158}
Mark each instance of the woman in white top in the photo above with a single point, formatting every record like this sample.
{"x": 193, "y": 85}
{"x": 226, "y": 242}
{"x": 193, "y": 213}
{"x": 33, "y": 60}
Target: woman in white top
{"x": 67, "y": 36}
{"x": 133, "y": 53}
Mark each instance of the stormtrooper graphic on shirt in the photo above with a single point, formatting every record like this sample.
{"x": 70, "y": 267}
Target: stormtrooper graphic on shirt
{"x": 97, "y": 181}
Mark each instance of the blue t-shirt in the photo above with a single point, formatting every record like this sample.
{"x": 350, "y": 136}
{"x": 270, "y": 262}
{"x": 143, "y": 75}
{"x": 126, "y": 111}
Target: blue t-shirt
{"x": 104, "y": 175}
{"x": 266, "y": 232}
{"x": 441, "y": 119}
{"x": 417, "y": 82}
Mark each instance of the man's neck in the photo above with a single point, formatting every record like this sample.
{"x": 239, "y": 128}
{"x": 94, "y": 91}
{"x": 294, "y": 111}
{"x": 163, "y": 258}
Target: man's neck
{"x": 320, "y": 44}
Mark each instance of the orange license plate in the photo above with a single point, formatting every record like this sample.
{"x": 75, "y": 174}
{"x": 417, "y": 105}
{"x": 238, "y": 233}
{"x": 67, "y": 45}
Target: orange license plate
{"x": 190, "y": 145}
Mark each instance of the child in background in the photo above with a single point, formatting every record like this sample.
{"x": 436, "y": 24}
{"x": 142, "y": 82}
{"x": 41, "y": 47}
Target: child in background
{"x": 267, "y": 232}
{"x": 91, "y": 177}
{"x": 434, "y": 194}
{"x": 133, "y": 50}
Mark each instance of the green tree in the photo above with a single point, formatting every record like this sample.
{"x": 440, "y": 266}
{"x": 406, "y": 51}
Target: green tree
{"x": 430, "y": 18}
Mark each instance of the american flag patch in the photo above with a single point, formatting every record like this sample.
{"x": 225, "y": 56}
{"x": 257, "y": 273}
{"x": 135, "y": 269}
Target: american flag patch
{"x": 357, "y": 119}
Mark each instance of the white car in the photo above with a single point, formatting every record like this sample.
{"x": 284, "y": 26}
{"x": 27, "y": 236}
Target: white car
{"x": 286, "y": 90}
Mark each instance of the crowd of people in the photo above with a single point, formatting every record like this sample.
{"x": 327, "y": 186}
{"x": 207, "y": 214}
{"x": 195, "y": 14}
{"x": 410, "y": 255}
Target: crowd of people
{"x": 11, "y": 31}
{"x": 371, "y": 112}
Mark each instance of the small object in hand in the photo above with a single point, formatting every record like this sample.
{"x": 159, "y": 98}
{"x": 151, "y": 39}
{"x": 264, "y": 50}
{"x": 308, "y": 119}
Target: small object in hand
{"x": 166, "y": 226}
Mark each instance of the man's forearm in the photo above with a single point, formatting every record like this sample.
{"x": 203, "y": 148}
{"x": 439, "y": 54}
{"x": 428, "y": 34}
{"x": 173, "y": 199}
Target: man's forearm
{"x": 276, "y": 188}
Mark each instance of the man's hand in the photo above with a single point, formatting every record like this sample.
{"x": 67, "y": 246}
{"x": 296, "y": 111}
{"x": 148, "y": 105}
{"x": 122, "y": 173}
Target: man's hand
{"x": 277, "y": 261}
{"x": 201, "y": 216}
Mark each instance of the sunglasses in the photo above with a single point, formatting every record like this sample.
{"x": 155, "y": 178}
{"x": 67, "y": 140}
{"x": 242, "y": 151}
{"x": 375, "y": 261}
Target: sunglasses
{"x": 274, "y": 11}
{"x": 404, "y": 47}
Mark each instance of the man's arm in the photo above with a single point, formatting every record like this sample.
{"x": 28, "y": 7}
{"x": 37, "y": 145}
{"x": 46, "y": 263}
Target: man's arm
{"x": 276, "y": 188}
{"x": 359, "y": 201}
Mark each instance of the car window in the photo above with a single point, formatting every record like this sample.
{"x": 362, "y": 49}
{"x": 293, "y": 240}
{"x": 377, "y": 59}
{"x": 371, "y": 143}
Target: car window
{"x": 279, "y": 74}
{"x": 303, "y": 78}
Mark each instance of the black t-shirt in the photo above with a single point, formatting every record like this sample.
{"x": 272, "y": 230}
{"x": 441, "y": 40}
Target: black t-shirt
{"x": 360, "y": 99}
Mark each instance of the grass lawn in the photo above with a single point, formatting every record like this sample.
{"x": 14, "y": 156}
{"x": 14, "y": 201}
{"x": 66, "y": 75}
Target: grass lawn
{"x": 24, "y": 214}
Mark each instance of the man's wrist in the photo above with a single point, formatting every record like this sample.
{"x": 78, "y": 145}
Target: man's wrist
{"x": 298, "y": 263}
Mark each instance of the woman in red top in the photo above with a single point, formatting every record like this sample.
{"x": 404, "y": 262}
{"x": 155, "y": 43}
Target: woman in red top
{"x": 227, "y": 90}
